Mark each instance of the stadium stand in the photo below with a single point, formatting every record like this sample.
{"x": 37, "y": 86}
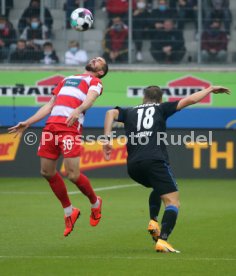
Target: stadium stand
{"x": 92, "y": 40}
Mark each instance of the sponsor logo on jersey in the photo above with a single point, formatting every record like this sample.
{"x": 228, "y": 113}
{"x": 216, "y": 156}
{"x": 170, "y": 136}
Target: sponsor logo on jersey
{"x": 42, "y": 90}
{"x": 176, "y": 89}
{"x": 8, "y": 147}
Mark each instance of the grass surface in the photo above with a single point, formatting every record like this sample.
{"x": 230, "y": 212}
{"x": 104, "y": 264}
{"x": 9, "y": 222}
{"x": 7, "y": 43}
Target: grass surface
{"x": 32, "y": 242}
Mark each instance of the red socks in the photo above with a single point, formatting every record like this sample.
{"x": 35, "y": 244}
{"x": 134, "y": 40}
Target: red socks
{"x": 58, "y": 187}
{"x": 85, "y": 187}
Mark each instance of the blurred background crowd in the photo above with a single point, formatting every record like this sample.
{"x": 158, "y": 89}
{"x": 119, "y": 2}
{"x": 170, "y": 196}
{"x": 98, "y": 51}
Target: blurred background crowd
{"x": 158, "y": 31}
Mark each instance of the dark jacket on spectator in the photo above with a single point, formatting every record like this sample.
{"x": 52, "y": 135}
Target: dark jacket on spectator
{"x": 8, "y": 35}
{"x": 158, "y": 16}
{"x": 172, "y": 38}
{"x": 24, "y": 56}
{"x": 214, "y": 40}
{"x": 31, "y": 12}
{"x": 48, "y": 59}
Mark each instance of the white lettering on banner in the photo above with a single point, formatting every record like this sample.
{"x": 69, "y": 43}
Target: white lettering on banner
{"x": 22, "y": 90}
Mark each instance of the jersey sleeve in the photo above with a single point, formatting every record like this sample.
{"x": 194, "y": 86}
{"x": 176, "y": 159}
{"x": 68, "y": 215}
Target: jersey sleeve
{"x": 122, "y": 114}
{"x": 96, "y": 85}
{"x": 57, "y": 89}
{"x": 169, "y": 108}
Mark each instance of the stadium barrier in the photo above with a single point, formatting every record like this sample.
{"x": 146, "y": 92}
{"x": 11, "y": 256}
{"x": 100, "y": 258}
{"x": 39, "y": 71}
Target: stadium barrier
{"x": 214, "y": 157}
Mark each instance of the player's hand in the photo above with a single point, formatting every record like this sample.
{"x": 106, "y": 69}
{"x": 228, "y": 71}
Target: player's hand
{"x": 19, "y": 128}
{"x": 74, "y": 116}
{"x": 107, "y": 149}
{"x": 219, "y": 90}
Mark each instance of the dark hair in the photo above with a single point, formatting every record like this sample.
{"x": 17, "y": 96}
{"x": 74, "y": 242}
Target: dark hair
{"x": 46, "y": 44}
{"x": 105, "y": 69}
{"x": 21, "y": 40}
{"x": 153, "y": 94}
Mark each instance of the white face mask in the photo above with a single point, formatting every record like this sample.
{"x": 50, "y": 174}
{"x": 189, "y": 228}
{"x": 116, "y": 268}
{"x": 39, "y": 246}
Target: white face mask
{"x": 141, "y": 5}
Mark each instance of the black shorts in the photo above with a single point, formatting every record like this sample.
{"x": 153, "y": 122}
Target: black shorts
{"x": 155, "y": 174}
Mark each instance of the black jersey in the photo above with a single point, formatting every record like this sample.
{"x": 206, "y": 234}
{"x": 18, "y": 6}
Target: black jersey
{"x": 144, "y": 124}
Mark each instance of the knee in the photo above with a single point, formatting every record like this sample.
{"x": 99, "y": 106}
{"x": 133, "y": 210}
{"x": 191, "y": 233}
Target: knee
{"x": 73, "y": 176}
{"x": 47, "y": 173}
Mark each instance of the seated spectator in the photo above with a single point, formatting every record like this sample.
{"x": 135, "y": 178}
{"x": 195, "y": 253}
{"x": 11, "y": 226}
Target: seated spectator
{"x": 214, "y": 43}
{"x": 36, "y": 34}
{"x": 22, "y": 54}
{"x": 116, "y": 8}
{"x": 33, "y": 10}
{"x": 167, "y": 45}
{"x": 218, "y": 9}
{"x": 71, "y": 5}
{"x": 186, "y": 12}
{"x": 48, "y": 55}
{"x": 140, "y": 27}
{"x": 159, "y": 15}
{"x": 7, "y": 37}
{"x": 75, "y": 56}
{"x": 116, "y": 42}
{"x": 9, "y": 6}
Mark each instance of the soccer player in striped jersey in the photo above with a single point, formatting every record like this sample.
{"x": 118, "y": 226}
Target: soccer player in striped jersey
{"x": 148, "y": 162}
{"x": 61, "y": 135}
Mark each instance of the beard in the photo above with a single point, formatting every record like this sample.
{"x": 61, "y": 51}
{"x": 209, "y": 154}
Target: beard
{"x": 90, "y": 68}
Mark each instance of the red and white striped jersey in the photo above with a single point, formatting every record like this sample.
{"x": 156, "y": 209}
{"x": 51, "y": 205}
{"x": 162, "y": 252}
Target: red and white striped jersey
{"x": 71, "y": 92}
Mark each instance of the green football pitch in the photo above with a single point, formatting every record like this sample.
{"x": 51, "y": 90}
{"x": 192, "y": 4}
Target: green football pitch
{"x": 32, "y": 242}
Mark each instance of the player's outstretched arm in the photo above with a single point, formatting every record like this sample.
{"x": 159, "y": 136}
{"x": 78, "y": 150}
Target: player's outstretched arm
{"x": 111, "y": 115}
{"x": 88, "y": 102}
{"x": 39, "y": 115}
{"x": 198, "y": 96}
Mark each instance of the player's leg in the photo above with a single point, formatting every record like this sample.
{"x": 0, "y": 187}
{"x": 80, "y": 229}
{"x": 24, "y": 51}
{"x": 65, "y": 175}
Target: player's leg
{"x": 154, "y": 209}
{"x": 49, "y": 172}
{"x": 139, "y": 172}
{"x": 171, "y": 202}
{"x": 164, "y": 184}
{"x": 83, "y": 183}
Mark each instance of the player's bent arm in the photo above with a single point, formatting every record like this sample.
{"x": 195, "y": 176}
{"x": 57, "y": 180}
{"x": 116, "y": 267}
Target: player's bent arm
{"x": 111, "y": 115}
{"x": 89, "y": 101}
{"x": 200, "y": 95}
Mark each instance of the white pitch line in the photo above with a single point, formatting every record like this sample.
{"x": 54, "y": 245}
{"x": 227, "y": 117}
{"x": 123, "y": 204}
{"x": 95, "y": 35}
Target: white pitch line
{"x": 116, "y": 187}
{"x": 121, "y": 257}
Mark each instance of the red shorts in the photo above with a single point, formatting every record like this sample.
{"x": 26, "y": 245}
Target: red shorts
{"x": 53, "y": 144}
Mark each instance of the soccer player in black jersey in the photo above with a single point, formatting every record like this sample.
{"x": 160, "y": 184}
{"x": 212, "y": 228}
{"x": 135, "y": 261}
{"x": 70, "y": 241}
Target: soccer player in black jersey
{"x": 147, "y": 160}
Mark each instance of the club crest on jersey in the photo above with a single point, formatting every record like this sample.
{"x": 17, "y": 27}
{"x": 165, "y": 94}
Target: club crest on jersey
{"x": 176, "y": 89}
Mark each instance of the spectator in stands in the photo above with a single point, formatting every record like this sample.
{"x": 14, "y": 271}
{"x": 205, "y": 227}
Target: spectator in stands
{"x": 218, "y": 9}
{"x": 186, "y": 11}
{"x": 167, "y": 45}
{"x": 71, "y": 5}
{"x": 22, "y": 54}
{"x": 214, "y": 43}
{"x": 7, "y": 37}
{"x": 75, "y": 55}
{"x": 159, "y": 15}
{"x": 36, "y": 34}
{"x": 140, "y": 27}
{"x": 9, "y": 6}
{"x": 34, "y": 10}
{"x": 116, "y": 8}
{"x": 116, "y": 42}
{"x": 48, "y": 55}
